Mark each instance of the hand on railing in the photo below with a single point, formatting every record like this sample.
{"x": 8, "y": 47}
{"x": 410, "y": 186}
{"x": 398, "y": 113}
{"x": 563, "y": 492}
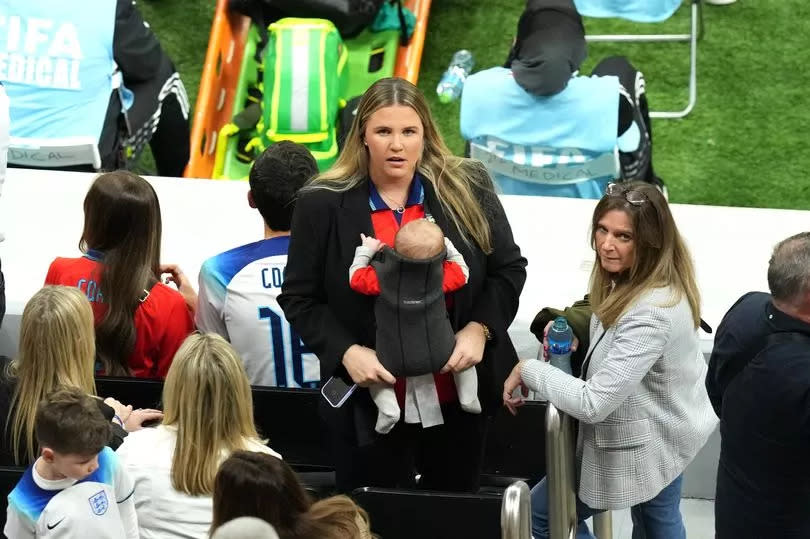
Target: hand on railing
{"x": 513, "y": 382}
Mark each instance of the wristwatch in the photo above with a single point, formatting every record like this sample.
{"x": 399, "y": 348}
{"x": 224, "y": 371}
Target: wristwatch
{"x": 487, "y": 333}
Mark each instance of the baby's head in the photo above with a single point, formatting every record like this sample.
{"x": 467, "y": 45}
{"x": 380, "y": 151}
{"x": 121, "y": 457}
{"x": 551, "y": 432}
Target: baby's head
{"x": 419, "y": 240}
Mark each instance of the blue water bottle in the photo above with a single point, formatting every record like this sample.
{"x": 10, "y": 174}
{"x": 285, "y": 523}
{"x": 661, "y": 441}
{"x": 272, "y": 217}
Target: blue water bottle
{"x": 449, "y": 88}
{"x": 560, "y": 338}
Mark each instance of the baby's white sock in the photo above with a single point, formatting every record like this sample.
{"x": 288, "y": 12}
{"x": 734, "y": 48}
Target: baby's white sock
{"x": 467, "y": 388}
{"x": 385, "y": 398}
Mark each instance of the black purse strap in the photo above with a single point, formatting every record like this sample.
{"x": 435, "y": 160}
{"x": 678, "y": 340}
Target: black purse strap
{"x": 587, "y": 362}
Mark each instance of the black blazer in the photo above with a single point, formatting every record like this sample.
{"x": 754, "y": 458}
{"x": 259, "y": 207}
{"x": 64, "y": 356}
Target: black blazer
{"x": 330, "y": 316}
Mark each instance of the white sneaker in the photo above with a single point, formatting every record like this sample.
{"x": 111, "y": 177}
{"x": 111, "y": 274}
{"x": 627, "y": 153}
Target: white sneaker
{"x": 719, "y": 2}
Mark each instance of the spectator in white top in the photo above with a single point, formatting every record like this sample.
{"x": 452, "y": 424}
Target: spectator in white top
{"x": 208, "y": 414}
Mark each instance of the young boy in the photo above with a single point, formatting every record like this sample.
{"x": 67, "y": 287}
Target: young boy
{"x": 76, "y": 488}
{"x": 414, "y": 335}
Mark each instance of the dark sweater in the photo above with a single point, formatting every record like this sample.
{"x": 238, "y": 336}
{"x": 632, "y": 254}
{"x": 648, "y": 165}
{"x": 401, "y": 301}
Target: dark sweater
{"x": 759, "y": 383}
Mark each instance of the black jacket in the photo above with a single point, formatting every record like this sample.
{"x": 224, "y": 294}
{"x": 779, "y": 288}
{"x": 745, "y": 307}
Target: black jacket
{"x": 759, "y": 383}
{"x": 330, "y": 316}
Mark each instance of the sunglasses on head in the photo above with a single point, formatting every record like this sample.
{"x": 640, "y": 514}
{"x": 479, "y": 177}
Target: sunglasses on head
{"x": 635, "y": 198}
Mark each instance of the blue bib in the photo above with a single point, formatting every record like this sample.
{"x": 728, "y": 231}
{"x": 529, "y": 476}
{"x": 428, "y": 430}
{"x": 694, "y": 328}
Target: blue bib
{"x": 585, "y": 115}
{"x": 561, "y": 145}
{"x": 634, "y": 10}
{"x": 56, "y": 62}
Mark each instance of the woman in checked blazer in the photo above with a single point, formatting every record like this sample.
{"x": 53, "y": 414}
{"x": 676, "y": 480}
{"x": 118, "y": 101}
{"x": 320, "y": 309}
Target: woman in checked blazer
{"x": 641, "y": 402}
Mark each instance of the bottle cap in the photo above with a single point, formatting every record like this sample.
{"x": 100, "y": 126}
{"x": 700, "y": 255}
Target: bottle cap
{"x": 560, "y": 324}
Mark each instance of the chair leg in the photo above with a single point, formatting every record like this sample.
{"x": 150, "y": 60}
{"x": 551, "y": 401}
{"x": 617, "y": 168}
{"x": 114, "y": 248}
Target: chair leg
{"x": 697, "y": 29}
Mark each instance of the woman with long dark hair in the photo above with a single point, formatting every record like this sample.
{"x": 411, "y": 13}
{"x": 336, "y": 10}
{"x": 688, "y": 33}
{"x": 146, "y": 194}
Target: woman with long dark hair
{"x": 260, "y": 485}
{"x": 140, "y": 322}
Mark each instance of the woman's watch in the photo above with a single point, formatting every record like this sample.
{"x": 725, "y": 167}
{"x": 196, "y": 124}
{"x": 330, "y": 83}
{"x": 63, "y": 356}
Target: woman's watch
{"x": 487, "y": 333}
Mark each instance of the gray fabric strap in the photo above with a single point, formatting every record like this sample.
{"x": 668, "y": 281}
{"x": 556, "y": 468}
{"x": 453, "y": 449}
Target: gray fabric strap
{"x": 422, "y": 401}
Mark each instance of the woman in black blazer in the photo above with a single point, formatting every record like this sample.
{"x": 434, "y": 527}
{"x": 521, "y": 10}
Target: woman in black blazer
{"x": 395, "y": 167}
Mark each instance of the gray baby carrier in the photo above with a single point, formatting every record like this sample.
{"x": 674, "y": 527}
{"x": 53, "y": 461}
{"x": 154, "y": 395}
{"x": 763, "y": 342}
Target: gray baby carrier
{"x": 414, "y": 335}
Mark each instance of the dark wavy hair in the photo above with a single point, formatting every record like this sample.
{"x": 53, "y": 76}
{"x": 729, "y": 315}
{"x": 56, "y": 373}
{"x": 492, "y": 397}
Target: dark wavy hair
{"x": 122, "y": 221}
{"x": 259, "y": 485}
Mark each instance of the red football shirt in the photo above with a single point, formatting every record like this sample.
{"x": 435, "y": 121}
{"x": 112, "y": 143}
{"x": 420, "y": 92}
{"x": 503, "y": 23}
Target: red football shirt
{"x": 162, "y": 321}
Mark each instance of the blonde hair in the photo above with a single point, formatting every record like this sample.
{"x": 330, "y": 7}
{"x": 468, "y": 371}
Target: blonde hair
{"x": 57, "y": 350}
{"x": 207, "y": 398}
{"x": 455, "y": 179}
{"x": 661, "y": 257}
{"x": 419, "y": 239}
{"x": 339, "y": 517}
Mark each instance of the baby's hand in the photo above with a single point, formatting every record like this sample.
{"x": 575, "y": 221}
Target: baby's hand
{"x": 371, "y": 243}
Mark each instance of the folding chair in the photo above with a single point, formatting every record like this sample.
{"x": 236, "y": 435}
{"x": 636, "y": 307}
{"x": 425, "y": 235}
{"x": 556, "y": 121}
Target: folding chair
{"x": 651, "y": 11}
{"x": 539, "y": 170}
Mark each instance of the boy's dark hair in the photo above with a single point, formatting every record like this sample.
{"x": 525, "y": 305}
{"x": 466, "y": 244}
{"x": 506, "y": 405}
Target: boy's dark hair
{"x": 70, "y": 422}
{"x": 275, "y": 178}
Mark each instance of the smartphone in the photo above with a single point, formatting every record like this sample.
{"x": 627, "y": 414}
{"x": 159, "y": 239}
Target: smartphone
{"x": 336, "y": 391}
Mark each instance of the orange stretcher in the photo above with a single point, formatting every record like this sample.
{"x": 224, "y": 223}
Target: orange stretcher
{"x": 221, "y": 71}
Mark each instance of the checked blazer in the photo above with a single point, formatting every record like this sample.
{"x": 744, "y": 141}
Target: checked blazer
{"x": 643, "y": 408}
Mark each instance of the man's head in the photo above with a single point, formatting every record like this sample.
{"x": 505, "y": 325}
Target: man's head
{"x": 419, "y": 240}
{"x": 275, "y": 178}
{"x": 71, "y": 431}
{"x": 549, "y": 46}
{"x": 789, "y": 272}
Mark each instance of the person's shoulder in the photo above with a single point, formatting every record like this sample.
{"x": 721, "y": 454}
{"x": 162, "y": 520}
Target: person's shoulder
{"x": 145, "y": 444}
{"x": 315, "y": 196}
{"x": 60, "y": 264}
{"x": 258, "y": 447}
{"x": 27, "y": 497}
{"x": 222, "y": 267}
{"x": 751, "y": 300}
{"x": 658, "y": 306}
{"x": 162, "y": 295}
{"x": 497, "y": 73}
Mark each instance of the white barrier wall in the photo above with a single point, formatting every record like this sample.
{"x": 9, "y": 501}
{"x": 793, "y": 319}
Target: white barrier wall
{"x": 41, "y": 216}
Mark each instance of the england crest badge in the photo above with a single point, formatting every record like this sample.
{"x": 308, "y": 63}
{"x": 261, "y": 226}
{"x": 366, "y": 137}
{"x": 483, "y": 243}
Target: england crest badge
{"x": 99, "y": 502}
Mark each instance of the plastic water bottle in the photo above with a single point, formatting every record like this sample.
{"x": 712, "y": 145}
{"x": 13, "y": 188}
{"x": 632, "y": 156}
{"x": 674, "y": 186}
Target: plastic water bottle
{"x": 449, "y": 88}
{"x": 560, "y": 337}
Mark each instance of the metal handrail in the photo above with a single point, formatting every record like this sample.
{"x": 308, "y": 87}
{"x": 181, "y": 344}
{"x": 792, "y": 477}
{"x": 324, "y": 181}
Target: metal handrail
{"x": 516, "y": 515}
{"x": 562, "y": 509}
{"x": 561, "y": 480}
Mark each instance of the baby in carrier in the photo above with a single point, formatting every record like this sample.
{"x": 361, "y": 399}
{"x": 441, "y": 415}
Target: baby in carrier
{"x": 414, "y": 335}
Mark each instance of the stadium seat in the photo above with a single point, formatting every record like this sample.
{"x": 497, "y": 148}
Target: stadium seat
{"x": 644, "y": 11}
{"x": 405, "y": 514}
{"x": 287, "y": 418}
{"x": 515, "y": 449}
{"x": 530, "y": 170}
{"x": 9, "y": 476}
